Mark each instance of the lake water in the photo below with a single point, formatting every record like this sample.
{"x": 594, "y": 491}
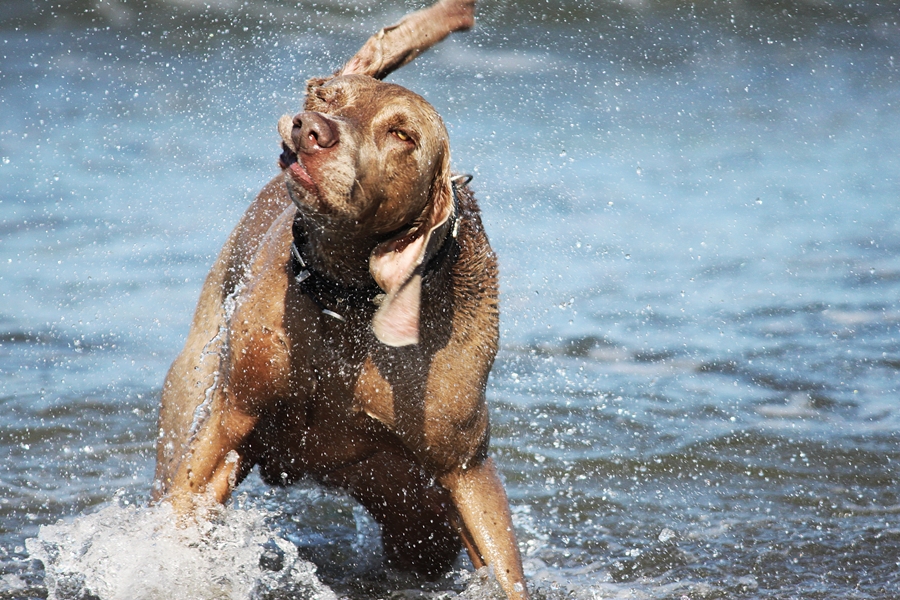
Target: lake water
{"x": 696, "y": 214}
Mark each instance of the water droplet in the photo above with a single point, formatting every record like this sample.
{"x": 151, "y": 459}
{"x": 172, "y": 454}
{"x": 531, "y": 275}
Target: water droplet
{"x": 666, "y": 534}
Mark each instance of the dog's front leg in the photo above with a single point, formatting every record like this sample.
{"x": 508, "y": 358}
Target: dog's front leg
{"x": 211, "y": 464}
{"x": 481, "y": 501}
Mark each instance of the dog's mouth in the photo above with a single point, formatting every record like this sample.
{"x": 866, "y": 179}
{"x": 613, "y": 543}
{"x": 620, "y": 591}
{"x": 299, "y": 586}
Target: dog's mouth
{"x": 287, "y": 158}
{"x": 289, "y": 161}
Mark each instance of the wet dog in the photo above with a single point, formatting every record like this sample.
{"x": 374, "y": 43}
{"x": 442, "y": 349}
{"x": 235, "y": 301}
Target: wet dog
{"x": 345, "y": 334}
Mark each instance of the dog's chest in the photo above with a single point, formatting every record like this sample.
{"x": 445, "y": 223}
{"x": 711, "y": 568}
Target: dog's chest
{"x": 362, "y": 380}
{"x": 373, "y": 395}
{"x": 348, "y": 379}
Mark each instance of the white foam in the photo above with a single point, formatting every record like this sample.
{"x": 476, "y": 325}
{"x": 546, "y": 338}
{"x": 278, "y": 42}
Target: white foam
{"x": 233, "y": 553}
{"x": 127, "y": 552}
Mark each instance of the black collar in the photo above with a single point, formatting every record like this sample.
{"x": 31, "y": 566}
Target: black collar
{"x": 334, "y": 298}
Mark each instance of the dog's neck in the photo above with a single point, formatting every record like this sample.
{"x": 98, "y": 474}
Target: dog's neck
{"x": 338, "y": 253}
{"x": 331, "y": 264}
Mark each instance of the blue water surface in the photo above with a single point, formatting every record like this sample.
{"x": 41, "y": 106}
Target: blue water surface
{"x": 695, "y": 210}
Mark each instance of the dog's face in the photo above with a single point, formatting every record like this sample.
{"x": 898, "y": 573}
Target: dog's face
{"x": 364, "y": 152}
{"x": 371, "y": 161}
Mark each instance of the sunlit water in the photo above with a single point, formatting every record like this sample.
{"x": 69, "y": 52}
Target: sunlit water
{"x": 696, "y": 214}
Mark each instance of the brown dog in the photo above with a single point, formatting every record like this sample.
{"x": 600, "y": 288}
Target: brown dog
{"x": 346, "y": 333}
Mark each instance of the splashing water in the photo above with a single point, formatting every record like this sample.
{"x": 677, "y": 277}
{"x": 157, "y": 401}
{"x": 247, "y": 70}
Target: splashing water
{"x": 696, "y": 394}
{"x": 125, "y": 552}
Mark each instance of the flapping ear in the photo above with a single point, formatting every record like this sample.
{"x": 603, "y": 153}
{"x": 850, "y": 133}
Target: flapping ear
{"x": 397, "y": 266}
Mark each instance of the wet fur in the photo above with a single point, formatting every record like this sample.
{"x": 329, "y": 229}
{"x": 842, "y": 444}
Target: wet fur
{"x": 267, "y": 379}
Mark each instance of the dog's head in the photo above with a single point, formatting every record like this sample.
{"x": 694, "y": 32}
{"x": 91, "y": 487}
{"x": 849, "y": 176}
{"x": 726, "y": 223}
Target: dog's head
{"x": 372, "y": 159}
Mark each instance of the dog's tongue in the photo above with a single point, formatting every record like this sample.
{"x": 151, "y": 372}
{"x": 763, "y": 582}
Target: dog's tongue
{"x": 300, "y": 174}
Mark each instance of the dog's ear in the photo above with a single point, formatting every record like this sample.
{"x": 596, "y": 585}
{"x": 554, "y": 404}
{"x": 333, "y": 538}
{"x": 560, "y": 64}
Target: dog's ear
{"x": 397, "y": 265}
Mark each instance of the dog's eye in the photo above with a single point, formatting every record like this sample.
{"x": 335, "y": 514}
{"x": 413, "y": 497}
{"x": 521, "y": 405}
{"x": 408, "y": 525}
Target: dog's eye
{"x": 401, "y": 135}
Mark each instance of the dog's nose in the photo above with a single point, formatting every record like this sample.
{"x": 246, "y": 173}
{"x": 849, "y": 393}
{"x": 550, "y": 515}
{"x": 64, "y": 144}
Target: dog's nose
{"x": 313, "y": 131}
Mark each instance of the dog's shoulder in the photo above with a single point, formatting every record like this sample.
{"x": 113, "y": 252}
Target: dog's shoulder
{"x": 475, "y": 273}
{"x": 245, "y": 240}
